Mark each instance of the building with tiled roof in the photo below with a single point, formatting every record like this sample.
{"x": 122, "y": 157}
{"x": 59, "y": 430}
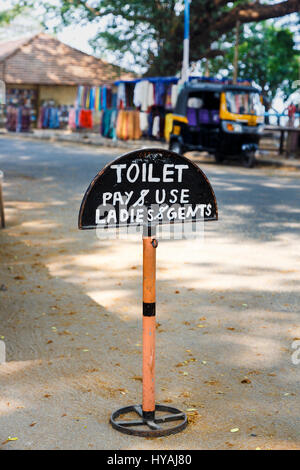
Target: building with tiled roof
{"x": 43, "y": 60}
{"x": 41, "y": 68}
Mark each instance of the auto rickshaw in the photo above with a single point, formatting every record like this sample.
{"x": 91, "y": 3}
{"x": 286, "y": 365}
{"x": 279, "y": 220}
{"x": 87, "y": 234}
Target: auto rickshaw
{"x": 224, "y": 120}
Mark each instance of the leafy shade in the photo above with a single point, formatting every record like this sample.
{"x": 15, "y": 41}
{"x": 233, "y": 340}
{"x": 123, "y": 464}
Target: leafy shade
{"x": 266, "y": 55}
{"x": 150, "y": 32}
{"x": 6, "y": 16}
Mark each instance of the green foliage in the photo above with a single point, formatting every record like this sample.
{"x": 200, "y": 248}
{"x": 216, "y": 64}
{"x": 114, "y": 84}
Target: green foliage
{"x": 149, "y": 33}
{"x": 267, "y": 55}
{"x": 6, "y": 16}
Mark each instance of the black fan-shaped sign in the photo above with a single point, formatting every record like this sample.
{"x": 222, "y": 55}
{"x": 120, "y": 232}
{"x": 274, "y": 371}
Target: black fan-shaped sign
{"x": 148, "y": 187}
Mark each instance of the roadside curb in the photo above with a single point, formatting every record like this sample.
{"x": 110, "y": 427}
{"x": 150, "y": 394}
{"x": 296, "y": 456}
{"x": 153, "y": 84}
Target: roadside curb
{"x": 278, "y": 163}
{"x": 87, "y": 139}
{"x": 97, "y": 140}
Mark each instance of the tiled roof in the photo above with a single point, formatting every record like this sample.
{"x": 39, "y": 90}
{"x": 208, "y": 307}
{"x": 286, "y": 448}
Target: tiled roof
{"x": 44, "y": 60}
{"x": 9, "y": 47}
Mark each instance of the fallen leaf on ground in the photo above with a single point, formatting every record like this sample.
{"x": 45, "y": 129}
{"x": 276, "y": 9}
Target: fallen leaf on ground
{"x": 212, "y": 382}
{"x": 65, "y": 332}
{"x": 138, "y": 378}
{"x": 229, "y": 444}
{"x": 193, "y": 417}
{"x": 246, "y": 381}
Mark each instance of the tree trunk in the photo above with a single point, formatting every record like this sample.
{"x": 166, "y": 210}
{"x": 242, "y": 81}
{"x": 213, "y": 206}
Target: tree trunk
{"x": 236, "y": 52}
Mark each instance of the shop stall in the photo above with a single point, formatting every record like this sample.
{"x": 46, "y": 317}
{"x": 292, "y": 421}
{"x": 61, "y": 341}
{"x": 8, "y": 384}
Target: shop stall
{"x": 42, "y": 76}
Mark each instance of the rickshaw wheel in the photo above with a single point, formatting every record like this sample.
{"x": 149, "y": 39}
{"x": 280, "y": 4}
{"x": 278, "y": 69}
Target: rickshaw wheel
{"x": 219, "y": 157}
{"x": 249, "y": 159}
{"x": 176, "y": 147}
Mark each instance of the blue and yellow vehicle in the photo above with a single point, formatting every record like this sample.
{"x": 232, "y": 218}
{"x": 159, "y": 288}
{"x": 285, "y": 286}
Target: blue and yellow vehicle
{"x": 224, "y": 120}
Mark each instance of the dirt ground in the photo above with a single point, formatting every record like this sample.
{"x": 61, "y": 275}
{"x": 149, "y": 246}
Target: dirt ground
{"x": 227, "y": 313}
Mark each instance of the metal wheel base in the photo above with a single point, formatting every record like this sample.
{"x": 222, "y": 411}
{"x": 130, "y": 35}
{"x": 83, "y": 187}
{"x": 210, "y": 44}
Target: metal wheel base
{"x": 149, "y": 424}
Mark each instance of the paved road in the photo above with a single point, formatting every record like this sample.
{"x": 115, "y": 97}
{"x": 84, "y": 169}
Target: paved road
{"x": 256, "y": 203}
{"x": 228, "y": 311}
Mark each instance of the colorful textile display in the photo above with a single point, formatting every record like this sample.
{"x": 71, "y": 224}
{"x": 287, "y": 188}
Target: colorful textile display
{"x": 18, "y": 119}
{"x": 85, "y": 119}
{"x": 25, "y": 99}
{"x": 121, "y": 96}
{"x": 128, "y": 125}
{"x": 53, "y": 117}
{"x": 153, "y": 97}
{"x": 80, "y": 118}
{"x": 156, "y": 122}
{"x": 94, "y": 98}
{"x": 168, "y": 101}
{"x": 143, "y": 96}
{"x": 174, "y": 94}
{"x": 143, "y": 122}
{"x": 129, "y": 110}
{"x": 48, "y": 118}
{"x": 109, "y": 123}
{"x": 125, "y": 94}
{"x": 72, "y": 118}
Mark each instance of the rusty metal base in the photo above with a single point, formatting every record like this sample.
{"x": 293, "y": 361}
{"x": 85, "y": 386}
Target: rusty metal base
{"x": 149, "y": 427}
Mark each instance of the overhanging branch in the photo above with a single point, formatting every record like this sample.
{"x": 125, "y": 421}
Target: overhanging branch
{"x": 255, "y": 12}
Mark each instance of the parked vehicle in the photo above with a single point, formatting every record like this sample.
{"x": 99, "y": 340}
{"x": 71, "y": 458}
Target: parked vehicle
{"x": 224, "y": 120}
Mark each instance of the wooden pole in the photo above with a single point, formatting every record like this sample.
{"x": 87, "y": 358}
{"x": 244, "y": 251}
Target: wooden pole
{"x": 149, "y": 324}
{"x": 236, "y": 52}
{"x": 2, "y": 217}
{"x": 206, "y": 71}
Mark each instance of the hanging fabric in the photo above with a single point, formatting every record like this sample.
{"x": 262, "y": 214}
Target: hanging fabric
{"x": 18, "y": 119}
{"x": 121, "y": 96}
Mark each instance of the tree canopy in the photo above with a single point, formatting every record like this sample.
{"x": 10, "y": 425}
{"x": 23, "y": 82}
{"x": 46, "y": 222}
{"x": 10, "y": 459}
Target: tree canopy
{"x": 6, "y": 16}
{"x": 267, "y": 55}
{"x": 152, "y": 30}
